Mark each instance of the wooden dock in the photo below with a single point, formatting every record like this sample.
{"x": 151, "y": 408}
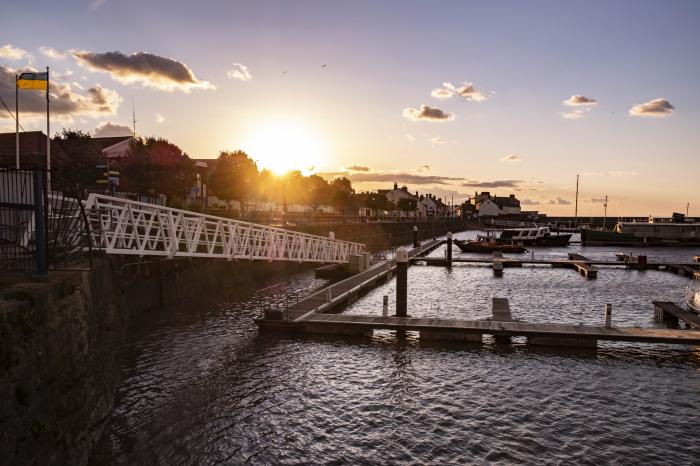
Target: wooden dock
{"x": 472, "y": 330}
{"x": 348, "y": 290}
{"x": 672, "y": 313}
{"x": 583, "y": 265}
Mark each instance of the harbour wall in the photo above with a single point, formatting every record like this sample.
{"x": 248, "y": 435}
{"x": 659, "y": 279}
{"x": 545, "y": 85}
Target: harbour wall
{"x": 62, "y": 340}
{"x": 380, "y": 236}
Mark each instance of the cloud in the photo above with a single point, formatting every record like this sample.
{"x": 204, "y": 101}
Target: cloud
{"x": 575, "y": 114}
{"x": 470, "y": 93}
{"x": 559, "y": 201}
{"x": 410, "y": 137}
{"x": 358, "y": 168}
{"x": 494, "y": 184}
{"x": 466, "y": 91}
{"x": 12, "y": 53}
{"x": 529, "y": 202}
{"x": 405, "y": 178}
{"x": 576, "y": 100}
{"x": 52, "y": 53}
{"x": 96, "y": 101}
{"x": 427, "y": 113}
{"x": 240, "y": 72}
{"x": 597, "y": 200}
{"x": 107, "y": 129}
{"x": 437, "y": 140}
{"x": 423, "y": 168}
{"x": 159, "y": 118}
{"x": 442, "y": 93}
{"x": 611, "y": 173}
{"x": 511, "y": 158}
{"x": 150, "y": 70}
{"x": 654, "y": 108}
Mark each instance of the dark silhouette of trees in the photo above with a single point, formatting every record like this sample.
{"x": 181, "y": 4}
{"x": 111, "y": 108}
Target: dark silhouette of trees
{"x": 234, "y": 177}
{"x": 342, "y": 194}
{"x": 407, "y": 204}
{"x": 157, "y": 166}
{"x": 377, "y": 202}
{"x": 317, "y": 192}
{"x": 74, "y": 161}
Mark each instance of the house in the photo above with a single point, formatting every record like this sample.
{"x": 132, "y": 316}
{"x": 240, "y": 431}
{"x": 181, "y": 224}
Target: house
{"x": 114, "y": 148}
{"x": 493, "y": 206}
{"x": 32, "y": 149}
{"x": 396, "y": 194}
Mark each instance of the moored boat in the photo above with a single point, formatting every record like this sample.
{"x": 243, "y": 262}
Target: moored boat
{"x": 536, "y": 236}
{"x": 692, "y": 297}
{"x": 486, "y": 245}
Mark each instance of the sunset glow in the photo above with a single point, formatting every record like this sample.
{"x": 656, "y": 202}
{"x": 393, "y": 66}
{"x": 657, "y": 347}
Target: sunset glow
{"x": 283, "y": 144}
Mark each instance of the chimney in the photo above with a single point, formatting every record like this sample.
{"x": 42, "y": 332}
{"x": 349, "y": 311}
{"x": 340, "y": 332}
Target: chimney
{"x": 396, "y": 185}
{"x": 512, "y": 196}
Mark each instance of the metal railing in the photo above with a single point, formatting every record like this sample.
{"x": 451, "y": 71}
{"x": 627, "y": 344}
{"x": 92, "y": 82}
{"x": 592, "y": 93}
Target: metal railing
{"x": 40, "y": 231}
{"x": 121, "y": 226}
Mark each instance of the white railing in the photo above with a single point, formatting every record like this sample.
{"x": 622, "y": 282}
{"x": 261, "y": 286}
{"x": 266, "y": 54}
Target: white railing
{"x": 121, "y": 226}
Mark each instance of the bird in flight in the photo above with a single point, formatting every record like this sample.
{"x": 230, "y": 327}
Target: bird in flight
{"x": 323, "y": 66}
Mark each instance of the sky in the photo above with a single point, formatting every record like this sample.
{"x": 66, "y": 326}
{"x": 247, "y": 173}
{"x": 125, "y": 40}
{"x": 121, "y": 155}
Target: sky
{"x": 443, "y": 97}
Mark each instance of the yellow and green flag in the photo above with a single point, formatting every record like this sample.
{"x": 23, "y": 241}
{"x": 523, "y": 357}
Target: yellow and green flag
{"x": 38, "y": 81}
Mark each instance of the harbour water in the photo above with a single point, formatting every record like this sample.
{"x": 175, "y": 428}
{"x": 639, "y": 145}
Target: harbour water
{"x": 203, "y": 386}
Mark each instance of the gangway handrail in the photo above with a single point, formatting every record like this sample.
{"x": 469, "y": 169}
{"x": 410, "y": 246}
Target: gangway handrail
{"x": 123, "y": 226}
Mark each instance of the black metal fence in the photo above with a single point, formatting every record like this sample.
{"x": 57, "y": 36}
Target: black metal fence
{"x": 41, "y": 230}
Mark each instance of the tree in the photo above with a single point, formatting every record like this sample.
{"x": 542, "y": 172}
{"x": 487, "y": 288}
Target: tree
{"x": 341, "y": 194}
{"x": 316, "y": 190}
{"x": 75, "y": 162}
{"x": 157, "y": 166}
{"x": 377, "y": 202}
{"x": 234, "y": 177}
{"x": 407, "y": 204}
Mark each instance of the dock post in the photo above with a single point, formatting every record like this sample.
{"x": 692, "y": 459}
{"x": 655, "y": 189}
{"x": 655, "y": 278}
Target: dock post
{"x": 385, "y": 306}
{"x": 415, "y": 236}
{"x": 449, "y": 249}
{"x": 401, "y": 282}
{"x": 608, "y": 315}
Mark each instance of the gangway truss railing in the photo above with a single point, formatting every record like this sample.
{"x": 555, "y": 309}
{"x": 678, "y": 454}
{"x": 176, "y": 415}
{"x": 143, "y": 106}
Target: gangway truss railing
{"x": 122, "y": 226}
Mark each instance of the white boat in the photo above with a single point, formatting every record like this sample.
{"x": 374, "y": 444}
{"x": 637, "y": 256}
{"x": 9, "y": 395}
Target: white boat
{"x": 692, "y": 297}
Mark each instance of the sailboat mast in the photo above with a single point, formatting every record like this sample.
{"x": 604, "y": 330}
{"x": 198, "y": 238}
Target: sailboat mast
{"x": 576, "y": 205}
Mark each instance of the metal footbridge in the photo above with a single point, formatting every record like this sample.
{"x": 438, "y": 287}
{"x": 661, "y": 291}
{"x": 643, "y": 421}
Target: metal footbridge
{"x": 122, "y": 226}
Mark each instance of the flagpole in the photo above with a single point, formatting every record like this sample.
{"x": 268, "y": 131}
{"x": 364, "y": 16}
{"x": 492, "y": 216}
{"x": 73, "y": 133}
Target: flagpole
{"x": 16, "y": 122}
{"x": 48, "y": 137}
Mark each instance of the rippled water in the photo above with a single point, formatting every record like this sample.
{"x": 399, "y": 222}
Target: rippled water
{"x": 203, "y": 386}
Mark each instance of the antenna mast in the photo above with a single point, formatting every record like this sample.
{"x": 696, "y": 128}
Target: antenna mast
{"x": 605, "y": 211}
{"x": 133, "y": 115}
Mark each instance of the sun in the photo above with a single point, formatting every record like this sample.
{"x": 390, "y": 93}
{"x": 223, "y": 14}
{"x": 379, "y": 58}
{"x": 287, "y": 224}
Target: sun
{"x": 284, "y": 144}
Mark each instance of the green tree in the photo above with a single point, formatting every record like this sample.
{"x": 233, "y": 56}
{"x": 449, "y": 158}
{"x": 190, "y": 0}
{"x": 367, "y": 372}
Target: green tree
{"x": 317, "y": 192}
{"x": 74, "y": 162}
{"x": 377, "y": 202}
{"x": 407, "y": 204}
{"x": 234, "y": 177}
{"x": 341, "y": 194}
{"x": 157, "y": 166}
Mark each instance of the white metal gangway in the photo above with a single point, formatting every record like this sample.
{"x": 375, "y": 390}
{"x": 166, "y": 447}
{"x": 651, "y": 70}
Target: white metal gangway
{"x": 121, "y": 226}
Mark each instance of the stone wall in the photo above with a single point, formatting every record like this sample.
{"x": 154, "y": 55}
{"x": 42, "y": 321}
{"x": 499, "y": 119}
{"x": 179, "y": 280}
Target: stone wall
{"x": 61, "y": 342}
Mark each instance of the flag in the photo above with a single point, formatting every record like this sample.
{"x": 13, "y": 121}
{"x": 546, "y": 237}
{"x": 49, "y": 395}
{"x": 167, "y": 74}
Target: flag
{"x": 38, "y": 81}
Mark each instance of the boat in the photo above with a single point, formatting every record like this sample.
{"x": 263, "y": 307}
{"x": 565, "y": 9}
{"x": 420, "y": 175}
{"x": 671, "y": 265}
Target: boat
{"x": 488, "y": 245}
{"x": 692, "y": 297}
{"x": 536, "y": 236}
{"x": 644, "y": 234}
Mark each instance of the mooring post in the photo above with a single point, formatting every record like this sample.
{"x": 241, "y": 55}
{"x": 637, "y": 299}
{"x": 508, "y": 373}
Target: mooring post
{"x": 449, "y": 248}
{"x": 385, "y": 305}
{"x": 415, "y": 236}
{"x": 331, "y": 235}
{"x": 608, "y": 315}
{"x": 401, "y": 282}
{"x": 39, "y": 225}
